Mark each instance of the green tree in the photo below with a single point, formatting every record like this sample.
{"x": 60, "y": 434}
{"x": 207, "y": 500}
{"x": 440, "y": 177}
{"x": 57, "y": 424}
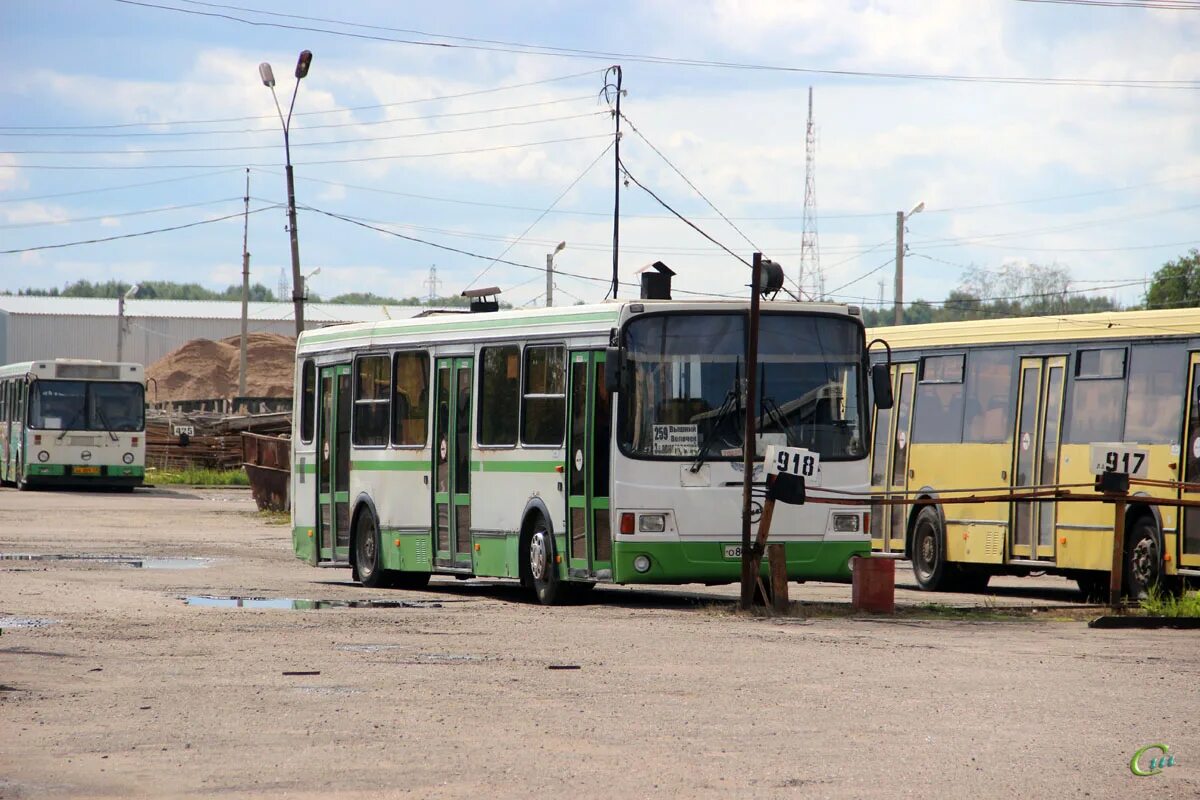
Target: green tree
{"x": 1177, "y": 283}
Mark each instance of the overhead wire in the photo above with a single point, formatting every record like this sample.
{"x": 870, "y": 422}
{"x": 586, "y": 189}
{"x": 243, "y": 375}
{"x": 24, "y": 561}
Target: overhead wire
{"x": 117, "y": 215}
{"x": 464, "y": 43}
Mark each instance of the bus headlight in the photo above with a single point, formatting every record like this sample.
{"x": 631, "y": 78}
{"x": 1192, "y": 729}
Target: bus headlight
{"x": 641, "y": 563}
{"x": 846, "y": 523}
{"x": 652, "y": 523}
{"x": 43, "y": 456}
{"x": 127, "y": 458}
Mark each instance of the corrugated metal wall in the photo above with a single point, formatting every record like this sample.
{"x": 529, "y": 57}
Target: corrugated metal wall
{"x": 27, "y": 337}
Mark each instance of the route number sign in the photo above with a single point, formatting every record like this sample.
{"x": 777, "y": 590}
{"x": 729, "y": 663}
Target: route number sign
{"x": 794, "y": 461}
{"x": 1118, "y": 457}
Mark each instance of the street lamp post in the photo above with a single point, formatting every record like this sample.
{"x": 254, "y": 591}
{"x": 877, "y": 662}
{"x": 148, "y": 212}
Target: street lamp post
{"x": 121, "y": 318}
{"x": 268, "y": 79}
{"x": 550, "y": 273}
{"x": 901, "y": 217}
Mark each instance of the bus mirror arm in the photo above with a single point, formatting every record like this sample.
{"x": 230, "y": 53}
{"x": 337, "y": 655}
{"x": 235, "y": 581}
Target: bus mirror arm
{"x": 614, "y": 365}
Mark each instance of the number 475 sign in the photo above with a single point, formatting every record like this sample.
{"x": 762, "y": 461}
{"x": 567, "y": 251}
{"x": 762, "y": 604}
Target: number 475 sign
{"x": 1118, "y": 457}
{"x": 794, "y": 461}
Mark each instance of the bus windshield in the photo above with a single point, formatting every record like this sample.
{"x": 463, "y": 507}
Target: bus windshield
{"x": 84, "y": 405}
{"x": 684, "y": 402}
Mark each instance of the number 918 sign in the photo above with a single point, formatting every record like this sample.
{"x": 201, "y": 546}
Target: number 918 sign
{"x": 1117, "y": 457}
{"x": 794, "y": 461}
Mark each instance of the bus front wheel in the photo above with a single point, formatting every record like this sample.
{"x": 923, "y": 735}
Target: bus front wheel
{"x": 367, "y": 558}
{"x": 929, "y": 551}
{"x": 1143, "y": 559}
{"x": 542, "y": 569}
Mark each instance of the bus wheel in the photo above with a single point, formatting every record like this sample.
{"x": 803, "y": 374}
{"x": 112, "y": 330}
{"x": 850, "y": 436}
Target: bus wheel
{"x": 928, "y": 551}
{"x": 542, "y": 568}
{"x": 367, "y": 558}
{"x": 1143, "y": 559}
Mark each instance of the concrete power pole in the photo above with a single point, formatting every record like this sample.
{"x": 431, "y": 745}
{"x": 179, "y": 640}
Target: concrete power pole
{"x": 899, "y": 314}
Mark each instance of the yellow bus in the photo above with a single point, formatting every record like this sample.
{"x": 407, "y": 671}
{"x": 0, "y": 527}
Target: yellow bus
{"x": 994, "y": 404}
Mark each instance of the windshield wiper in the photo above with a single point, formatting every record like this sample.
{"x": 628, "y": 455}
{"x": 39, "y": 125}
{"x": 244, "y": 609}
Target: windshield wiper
{"x": 70, "y": 422}
{"x": 732, "y": 402}
{"x": 107, "y": 427}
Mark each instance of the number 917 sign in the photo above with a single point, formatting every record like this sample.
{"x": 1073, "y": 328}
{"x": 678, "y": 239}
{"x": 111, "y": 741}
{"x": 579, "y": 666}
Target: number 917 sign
{"x": 794, "y": 461}
{"x": 1117, "y": 457}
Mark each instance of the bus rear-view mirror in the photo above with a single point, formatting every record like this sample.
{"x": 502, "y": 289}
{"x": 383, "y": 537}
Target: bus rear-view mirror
{"x": 881, "y": 384}
{"x": 613, "y": 365}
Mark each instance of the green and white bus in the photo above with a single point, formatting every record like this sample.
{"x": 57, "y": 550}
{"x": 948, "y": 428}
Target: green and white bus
{"x": 72, "y": 422}
{"x": 570, "y": 447}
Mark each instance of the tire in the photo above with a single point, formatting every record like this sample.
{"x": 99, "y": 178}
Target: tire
{"x": 1143, "y": 559}
{"x": 542, "y": 567}
{"x": 929, "y": 552}
{"x": 368, "y": 560}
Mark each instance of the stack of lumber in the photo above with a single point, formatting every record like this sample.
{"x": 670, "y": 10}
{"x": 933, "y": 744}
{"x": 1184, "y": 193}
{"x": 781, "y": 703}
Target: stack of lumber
{"x": 203, "y": 440}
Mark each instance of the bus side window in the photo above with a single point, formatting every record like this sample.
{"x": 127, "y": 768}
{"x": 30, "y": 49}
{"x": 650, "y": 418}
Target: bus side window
{"x": 308, "y": 396}
{"x": 989, "y": 396}
{"x": 1156, "y": 390}
{"x": 372, "y": 400}
{"x": 410, "y": 399}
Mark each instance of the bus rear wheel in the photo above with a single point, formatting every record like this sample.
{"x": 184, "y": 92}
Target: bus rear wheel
{"x": 542, "y": 567}
{"x": 929, "y": 551}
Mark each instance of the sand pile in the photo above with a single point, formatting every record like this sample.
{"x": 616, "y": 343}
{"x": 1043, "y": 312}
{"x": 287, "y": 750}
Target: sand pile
{"x": 206, "y": 370}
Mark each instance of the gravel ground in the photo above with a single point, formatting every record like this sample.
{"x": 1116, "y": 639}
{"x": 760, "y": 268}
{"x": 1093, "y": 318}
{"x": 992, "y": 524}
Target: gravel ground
{"x": 112, "y": 686}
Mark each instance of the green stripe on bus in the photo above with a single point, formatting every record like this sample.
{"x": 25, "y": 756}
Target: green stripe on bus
{"x": 514, "y": 466}
{"x": 391, "y": 466}
{"x": 457, "y": 326}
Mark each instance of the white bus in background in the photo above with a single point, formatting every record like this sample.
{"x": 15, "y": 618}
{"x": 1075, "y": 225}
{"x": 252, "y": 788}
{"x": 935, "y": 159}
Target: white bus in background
{"x": 72, "y": 422}
{"x": 575, "y": 446}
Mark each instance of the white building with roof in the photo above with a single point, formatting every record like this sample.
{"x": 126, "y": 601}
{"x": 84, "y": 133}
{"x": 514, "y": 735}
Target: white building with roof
{"x": 33, "y": 328}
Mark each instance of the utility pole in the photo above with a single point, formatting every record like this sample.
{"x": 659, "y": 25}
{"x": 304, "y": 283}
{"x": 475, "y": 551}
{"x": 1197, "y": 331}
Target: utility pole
{"x": 550, "y": 273}
{"x": 750, "y": 443}
{"x": 901, "y": 217}
{"x": 616, "y": 70}
{"x": 121, "y": 318}
{"x": 899, "y": 314}
{"x": 245, "y": 290}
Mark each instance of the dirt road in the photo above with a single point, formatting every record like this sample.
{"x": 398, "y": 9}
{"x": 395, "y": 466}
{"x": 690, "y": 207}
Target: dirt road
{"x": 114, "y": 686}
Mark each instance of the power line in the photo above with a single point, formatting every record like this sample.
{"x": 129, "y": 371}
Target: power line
{"x": 41, "y": 223}
{"x": 275, "y": 130}
{"x": 542, "y": 216}
{"x": 861, "y": 277}
{"x": 464, "y": 43}
{"x": 133, "y": 235}
{"x": 1157, "y": 5}
{"x": 358, "y": 140}
{"x": 318, "y": 163}
{"x": 433, "y": 99}
{"x": 119, "y": 188}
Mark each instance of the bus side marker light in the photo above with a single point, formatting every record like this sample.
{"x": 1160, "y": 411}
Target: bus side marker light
{"x": 477, "y": 547}
{"x": 1062, "y": 540}
{"x": 557, "y": 558}
{"x": 397, "y": 543}
{"x": 558, "y": 468}
{"x": 966, "y": 536}
{"x": 310, "y": 533}
{"x": 1167, "y": 557}
{"x": 627, "y": 522}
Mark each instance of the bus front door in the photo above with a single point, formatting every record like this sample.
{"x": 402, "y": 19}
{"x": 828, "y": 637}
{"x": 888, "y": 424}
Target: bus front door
{"x": 589, "y": 529}
{"x": 333, "y": 465}
{"x": 452, "y": 464}
{"x": 1035, "y": 454}
{"x": 889, "y": 463}
{"x": 1189, "y": 555}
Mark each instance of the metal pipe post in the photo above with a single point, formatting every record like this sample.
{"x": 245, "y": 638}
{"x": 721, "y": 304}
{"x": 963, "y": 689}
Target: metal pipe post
{"x": 748, "y": 448}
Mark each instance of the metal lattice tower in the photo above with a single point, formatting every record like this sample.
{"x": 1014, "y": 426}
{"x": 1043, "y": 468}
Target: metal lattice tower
{"x": 284, "y": 286}
{"x": 811, "y": 281}
{"x": 432, "y": 282}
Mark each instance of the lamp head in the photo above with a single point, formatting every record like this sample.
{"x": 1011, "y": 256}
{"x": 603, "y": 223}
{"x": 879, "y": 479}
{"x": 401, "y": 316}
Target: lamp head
{"x": 303, "y": 63}
{"x": 133, "y": 290}
{"x": 560, "y": 247}
{"x": 917, "y": 209}
{"x": 268, "y": 76}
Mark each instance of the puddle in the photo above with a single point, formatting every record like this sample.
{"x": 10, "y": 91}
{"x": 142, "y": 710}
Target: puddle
{"x": 292, "y": 604}
{"x": 25, "y": 622}
{"x": 133, "y": 562}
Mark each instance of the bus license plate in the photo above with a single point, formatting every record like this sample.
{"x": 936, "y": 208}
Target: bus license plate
{"x": 85, "y": 470}
{"x": 733, "y": 552}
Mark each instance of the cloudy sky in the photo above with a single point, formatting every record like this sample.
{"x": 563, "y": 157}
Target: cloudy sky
{"x": 479, "y": 127}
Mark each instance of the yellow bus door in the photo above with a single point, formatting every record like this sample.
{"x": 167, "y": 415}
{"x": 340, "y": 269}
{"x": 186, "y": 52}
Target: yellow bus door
{"x": 894, "y": 519}
{"x": 1035, "y": 454}
{"x": 1189, "y": 554}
